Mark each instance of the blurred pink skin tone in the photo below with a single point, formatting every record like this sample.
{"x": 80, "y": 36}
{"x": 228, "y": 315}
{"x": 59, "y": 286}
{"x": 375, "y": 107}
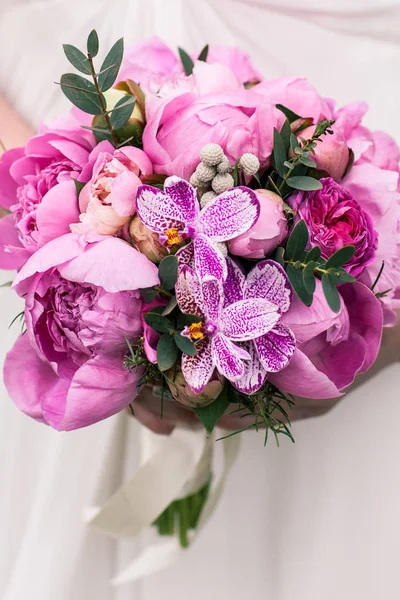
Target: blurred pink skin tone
{"x": 269, "y": 231}
{"x": 332, "y": 348}
{"x": 108, "y": 200}
{"x": 331, "y": 153}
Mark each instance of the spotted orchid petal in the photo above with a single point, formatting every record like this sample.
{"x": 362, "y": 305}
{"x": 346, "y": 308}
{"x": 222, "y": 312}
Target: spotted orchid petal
{"x": 254, "y": 375}
{"x": 232, "y": 213}
{"x": 209, "y": 261}
{"x": 234, "y": 283}
{"x": 213, "y": 299}
{"x": 183, "y": 196}
{"x": 198, "y": 369}
{"x": 188, "y": 292}
{"x": 276, "y": 348}
{"x": 268, "y": 280}
{"x": 157, "y": 212}
{"x": 249, "y": 319}
{"x": 185, "y": 255}
{"x": 228, "y": 357}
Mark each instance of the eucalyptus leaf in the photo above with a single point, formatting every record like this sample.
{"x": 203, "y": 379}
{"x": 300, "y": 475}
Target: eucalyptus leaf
{"x": 313, "y": 254}
{"x": 289, "y": 114}
{"x": 82, "y": 93}
{"x": 340, "y": 276}
{"x": 167, "y": 352}
{"x": 187, "y": 62}
{"x": 77, "y": 59}
{"x": 279, "y": 153}
{"x": 7, "y": 284}
{"x": 158, "y": 322}
{"x": 341, "y": 257}
{"x": 210, "y": 415}
{"x": 79, "y": 185}
{"x": 304, "y": 183}
{"x": 172, "y": 304}
{"x": 309, "y": 277}
{"x": 184, "y": 344}
{"x": 168, "y": 272}
{"x": 184, "y": 320}
{"x": 294, "y": 142}
{"x": 93, "y": 43}
{"x": 148, "y": 294}
{"x": 286, "y": 132}
{"x": 280, "y": 256}
{"x": 204, "y": 54}
{"x": 122, "y": 111}
{"x": 297, "y": 242}
{"x": 331, "y": 293}
{"x": 113, "y": 59}
{"x": 296, "y": 280}
{"x": 307, "y": 161}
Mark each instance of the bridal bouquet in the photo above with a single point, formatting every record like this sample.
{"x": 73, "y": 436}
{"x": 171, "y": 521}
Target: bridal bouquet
{"x": 231, "y": 241}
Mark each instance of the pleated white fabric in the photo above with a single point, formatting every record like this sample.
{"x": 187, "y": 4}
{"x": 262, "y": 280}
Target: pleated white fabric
{"x": 315, "y": 520}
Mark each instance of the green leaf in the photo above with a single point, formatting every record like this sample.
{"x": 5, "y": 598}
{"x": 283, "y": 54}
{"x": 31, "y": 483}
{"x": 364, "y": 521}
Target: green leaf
{"x": 289, "y": 114}
{"x": 184, "y": 320}
{"x": 184, "y": 344}
{"x": 82, "y": 93}
{"x": 297, "y": 242}
{"x": 331, "y": 293}
{"x": 113, "y": 60}
{"x": 280, "y": 256}
{"x": 172, "y": 304}
{"x": 93, "y": 43}
{"x": 294, "y": 142}
{"x": 309, "y": 277}
{"x": 148, "y": 294}
{"x": 168, "y": 272}
{"x": 79, "y": 185}
{"x": 122, "y": 111}
{"x": 210, "y": 415}
{"x": 279, "y": 153}
{"x": 77, "y": 59}
{"x": 286, "y": 132}
{"x": 204, "y": 54}
{"x": 188, "y": 64}
{"x": 306, "y": 184}
{"x": 341, "y": 257}
{"x": 167, "y": 352}
{"x": 307, "y": 161}
{"x": 7, "y": 284}
{"x": 158, "y": 322}
{"x": 314, "y": 254}
{"x": 339, "y": 276}
{"x": 296, "y": 279}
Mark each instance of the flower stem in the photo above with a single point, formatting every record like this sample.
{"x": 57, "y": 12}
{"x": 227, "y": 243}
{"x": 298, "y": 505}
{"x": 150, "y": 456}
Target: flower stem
{"x": 104, "y": 112}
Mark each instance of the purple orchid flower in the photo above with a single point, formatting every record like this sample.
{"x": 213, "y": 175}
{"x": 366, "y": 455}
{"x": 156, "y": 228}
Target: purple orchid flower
{"x": 221, "y": 328}
{"x": 272, "y": 351}
{"x": 176, "y": 216}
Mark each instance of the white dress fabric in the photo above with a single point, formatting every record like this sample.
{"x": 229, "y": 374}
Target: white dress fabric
{"x": 318, "y": 519}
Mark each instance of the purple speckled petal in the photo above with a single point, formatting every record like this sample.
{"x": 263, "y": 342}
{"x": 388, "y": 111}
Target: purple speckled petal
{"x": 197, "y": 370}
{"x": 183, "y": 195}
{"x": 156, "y": 210}
{"x": 234, "y": 284}
{"x": 232, "y": 213}
{"x": 209, "y": 260}
{"x": 276, "y": 348}
{"x": 254, "y": 375}
{"x": 186, "y": 255}
{"x": 213, "y": 299}
{"x": 188, "y": 292}
{"x": 268, "y": 280}
{"x": 228, "y": 357}
{"x": 249, "y": 319}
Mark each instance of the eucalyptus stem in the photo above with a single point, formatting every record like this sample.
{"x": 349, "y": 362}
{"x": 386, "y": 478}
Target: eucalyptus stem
{"x": 304, "y": 265}
{"x": 104, "y": 112}
{"x": 161, "y": 290}
{"x": 184, "y": 523}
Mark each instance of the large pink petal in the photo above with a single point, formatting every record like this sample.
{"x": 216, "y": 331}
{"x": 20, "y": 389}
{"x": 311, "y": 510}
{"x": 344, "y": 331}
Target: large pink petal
{"x": 72, "y": 151}
{"x": 123, "y": 193}
{"x": 268, "y": 280}
{"x": 197, "y": 370}
{"x": 12, "y": 254}
{"x": 249, "y": 319}
{"x": 57, "y": 211}
{"x": 139, "y": 157}
{"x": 8, "y": 185}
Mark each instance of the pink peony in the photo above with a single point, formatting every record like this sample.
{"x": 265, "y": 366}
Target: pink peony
{"x": 331, "y": 153}
{"x": 82, "y": 300}
{"x": 36, "y": 185}
{"x": 268, "y": 232}
{"x": 331, "y": 348}
{"x": 108, "y": 200}
{"x": 235, "y": 60}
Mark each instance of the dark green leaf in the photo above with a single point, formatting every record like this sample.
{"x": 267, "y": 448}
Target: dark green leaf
{"x": 113, "y": 59}
{"x": 82, "y": 93}
{"x": 296, "y": 279}
{"x": 279, "y": 153}
{"x": 158, "y": 322}
{"x": 184, "y": 344}
{"x": 289, "y": 114}
{"x": 167, "y": 352}
{"x": 187, "y": 62}
{"x": 297, "y": 242}
{"x": 122, "y": 111}
{"x": 93, "y": 43}
{"x": 79, "y": 185}
{"x": 339, "y": 276}
{"x": 350, "y": 163}
{"x": 286, "y": 132}
{"x": 341, "y": 257}
{"x": 204, "y": 54}
{"x": 309, "y": 277}
{"x": 210, "y": 415}
{"x": 148, "y": 294}
{"x": 331, "y": 293}
{"x": 314, "y": 254}
{"x": 279, "y": 256}
{"x": 168, "y": 272}
{"x": 158, "y": 309}
{"x": 307, "y": 161}
{"x": 236, "y": 174}
{"x": 184, "y": 320}
{"x": 294, "y": 142}
{"x": 306, "y": 184}
{"x": 172, "y": 304}
{"x": 77, "y": 59}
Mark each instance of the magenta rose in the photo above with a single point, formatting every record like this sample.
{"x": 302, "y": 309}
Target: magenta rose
{"x": 82, "y": 300}
{"x": 36, "y": 185}
{"x": 331, "y": 348}
{"x": 335, "y": 219}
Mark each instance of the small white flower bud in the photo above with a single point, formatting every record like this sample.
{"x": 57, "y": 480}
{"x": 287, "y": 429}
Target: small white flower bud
{"x": 224, "y": 166}
{"x": 221, "y": 183}
{"x": 207, "y": 198}
{"x": 212, "y": 154}
{"x": 205, "y": 173}
{"x": 223, "y": 248}
{"x": 249, "y": 164}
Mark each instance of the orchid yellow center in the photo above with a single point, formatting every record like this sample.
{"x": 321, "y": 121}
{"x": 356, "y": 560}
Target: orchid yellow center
{"x": 195, "y": 331}
{"x": 173, "y": 237}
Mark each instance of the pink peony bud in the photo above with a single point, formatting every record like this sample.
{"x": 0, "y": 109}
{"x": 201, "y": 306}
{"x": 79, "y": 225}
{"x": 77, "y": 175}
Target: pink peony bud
{"x": 331, "y": 153}
{"x": 146, "y": 241}
{"x": 269, "y": 231}
{"x": 184, "y": 395}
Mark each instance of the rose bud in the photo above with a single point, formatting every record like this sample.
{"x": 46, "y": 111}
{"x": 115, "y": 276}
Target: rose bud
{"x": 268, "y": 232}
{"x": 182, "y": 393}
{"x": 146, "y": 241}
{"x": 331, "y": 153}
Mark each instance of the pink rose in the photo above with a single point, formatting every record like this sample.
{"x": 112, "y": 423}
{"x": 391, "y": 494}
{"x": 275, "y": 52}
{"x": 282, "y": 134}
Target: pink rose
{"x": 108, "y": 200}
{"x": 82, "y": 299}
{"x": 331, "y": 348}
{"x": 36, "y": 185}
{"x": 269, "y": 231}
{"x": 331, "y": 153}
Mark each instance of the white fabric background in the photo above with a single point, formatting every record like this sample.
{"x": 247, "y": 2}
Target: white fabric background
{"x": 315, "y": 520}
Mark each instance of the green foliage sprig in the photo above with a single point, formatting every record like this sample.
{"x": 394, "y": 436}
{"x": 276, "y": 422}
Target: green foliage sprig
{"x": 187, "y": 61}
